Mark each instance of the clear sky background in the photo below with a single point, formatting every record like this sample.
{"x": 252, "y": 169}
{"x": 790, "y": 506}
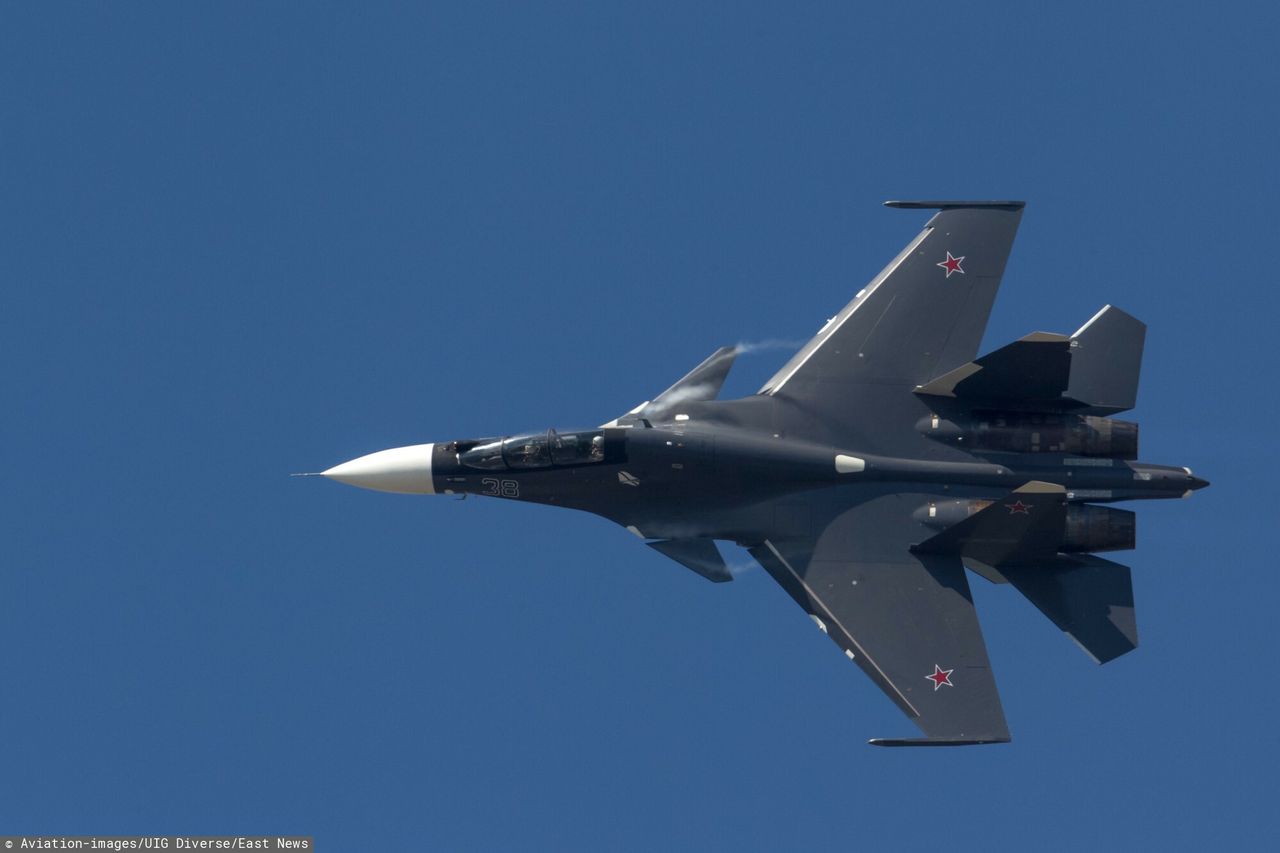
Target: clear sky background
{"x": 239, "y": 240}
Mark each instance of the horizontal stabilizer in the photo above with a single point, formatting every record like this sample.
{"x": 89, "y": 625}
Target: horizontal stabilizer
{"x": 1033, "y": 370}
{"x": 701, "y": 383}
{"x": 1023, "y": 528}
{"x": 1017, "y": 540}
{"x": 1095, "y": 371}
{"x": 1088, "y": 598}
{"x": 700, "y": 555}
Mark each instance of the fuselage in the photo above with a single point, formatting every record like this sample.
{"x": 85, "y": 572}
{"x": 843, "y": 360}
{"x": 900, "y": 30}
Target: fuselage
{"x": 722, "y": 469}
{"x": 873, "y": 470}
{"x": 681, "y": 480}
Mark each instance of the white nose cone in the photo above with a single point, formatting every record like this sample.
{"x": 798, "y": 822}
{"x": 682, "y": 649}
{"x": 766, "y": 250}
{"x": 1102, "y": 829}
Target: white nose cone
{"x": 406, "y": 470}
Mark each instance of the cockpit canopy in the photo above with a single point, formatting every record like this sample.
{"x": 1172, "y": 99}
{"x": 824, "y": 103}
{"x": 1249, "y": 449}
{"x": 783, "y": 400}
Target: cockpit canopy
{"x": 537, "y": 450}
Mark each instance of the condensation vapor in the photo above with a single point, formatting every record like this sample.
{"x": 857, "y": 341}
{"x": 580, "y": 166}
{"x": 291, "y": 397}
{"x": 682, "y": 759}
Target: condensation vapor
{"x": 705, "y": 391}
{"x": 700, "y": 391}
{"x": 748, "y": 347}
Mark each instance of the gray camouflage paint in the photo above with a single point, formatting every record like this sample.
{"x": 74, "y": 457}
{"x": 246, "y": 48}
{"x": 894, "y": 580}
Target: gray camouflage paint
{"x": 874, "y": 547}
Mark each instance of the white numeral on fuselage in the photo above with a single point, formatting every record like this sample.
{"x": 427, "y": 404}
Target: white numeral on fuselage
{"x": 500, "y": 488}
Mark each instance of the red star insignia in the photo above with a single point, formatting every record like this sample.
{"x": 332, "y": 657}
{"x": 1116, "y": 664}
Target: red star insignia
{"x": 952, "y": 264}
{"x": 1019, "y": 508}
{"x": 940, "y": 677}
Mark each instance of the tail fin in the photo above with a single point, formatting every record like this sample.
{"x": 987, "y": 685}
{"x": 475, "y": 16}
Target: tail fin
{"x": 1106, "y": 358}
{"x": 1095, "y": 371}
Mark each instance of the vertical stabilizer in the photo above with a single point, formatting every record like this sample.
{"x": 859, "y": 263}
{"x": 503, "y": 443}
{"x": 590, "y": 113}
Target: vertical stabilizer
{"x": 1106, "y": 358}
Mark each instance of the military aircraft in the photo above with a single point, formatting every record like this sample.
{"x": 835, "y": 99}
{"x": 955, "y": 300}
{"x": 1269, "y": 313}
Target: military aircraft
{"x": 878, "y": 463}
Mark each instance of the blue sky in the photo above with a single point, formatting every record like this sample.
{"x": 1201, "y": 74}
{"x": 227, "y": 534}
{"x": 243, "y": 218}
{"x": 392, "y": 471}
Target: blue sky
{"x": 247, "y": 239}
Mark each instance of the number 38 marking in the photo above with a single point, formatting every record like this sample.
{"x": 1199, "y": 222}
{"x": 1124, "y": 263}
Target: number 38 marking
{"x": 500, "y": 488}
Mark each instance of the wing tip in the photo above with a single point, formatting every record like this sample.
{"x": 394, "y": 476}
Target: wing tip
{"x": 950, "y": 205}
{"x": 939, "y": 741}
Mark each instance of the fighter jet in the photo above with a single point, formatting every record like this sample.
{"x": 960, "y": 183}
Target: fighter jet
{"x": 882, "y": 460}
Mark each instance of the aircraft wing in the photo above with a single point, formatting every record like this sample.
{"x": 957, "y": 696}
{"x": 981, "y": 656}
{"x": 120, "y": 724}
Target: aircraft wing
{"x": 906, "y": 619}
{"x": 922, "y": 316}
